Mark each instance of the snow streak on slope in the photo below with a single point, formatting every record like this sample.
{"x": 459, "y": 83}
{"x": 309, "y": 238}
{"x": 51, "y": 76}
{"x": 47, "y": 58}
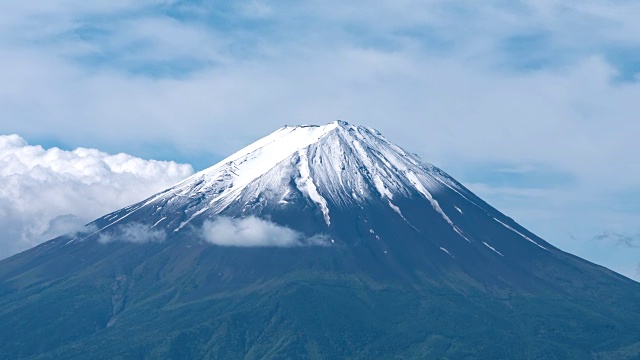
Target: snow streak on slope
{"x": 492, "y": 248}
{"x": 306, "y": 185}
{"x": 414, "y": 180}
{"x": 519, "y": 233}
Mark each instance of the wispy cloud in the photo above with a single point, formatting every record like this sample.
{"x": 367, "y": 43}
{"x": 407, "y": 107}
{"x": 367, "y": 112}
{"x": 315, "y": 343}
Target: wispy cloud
{"x": 255, "y": 232}
{"x": 70, "y": 224}
{"x": 617, "y": 239}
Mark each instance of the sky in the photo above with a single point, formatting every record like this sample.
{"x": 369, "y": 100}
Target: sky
{"x": 531, "y": 104}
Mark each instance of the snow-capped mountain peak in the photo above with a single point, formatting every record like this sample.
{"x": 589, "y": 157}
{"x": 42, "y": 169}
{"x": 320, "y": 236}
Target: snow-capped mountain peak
{"x": 336, "y": 162}
{"x": 335, "y": 145}
{"x": 332, "y": 168}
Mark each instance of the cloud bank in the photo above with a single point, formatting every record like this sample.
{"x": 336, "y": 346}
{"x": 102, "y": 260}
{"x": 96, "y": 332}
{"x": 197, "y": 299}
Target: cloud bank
{"x": 255, "y": 232}
{"x": 45, "y": 193}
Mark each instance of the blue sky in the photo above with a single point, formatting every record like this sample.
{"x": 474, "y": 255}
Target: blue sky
{"x": 532, "y": 104}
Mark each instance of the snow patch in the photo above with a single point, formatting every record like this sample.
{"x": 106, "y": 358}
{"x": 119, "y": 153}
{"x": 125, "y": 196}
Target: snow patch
{"x": 283, "y": 197}
{"x": 381, "y": 188}
{"x": 191, "y": 218}
{"x": 459, "y": 232}
{"x": 447, "y": 251}
{"x": 519, "y": 233}
{"x": 434, "y": 203}
{"x": 492, "y": 248}
{"x": 395, "y": 208}
{"x": 159, "y": 221}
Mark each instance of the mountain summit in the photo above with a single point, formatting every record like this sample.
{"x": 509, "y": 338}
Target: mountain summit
{"x": 313, "y": 242}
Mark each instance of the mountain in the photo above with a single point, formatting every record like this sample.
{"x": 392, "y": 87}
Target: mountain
{"x": 316, "y": 242}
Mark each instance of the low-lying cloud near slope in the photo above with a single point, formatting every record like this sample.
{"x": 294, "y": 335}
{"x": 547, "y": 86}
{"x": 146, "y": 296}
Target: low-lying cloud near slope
{"x": 48, "y": 192}
{"x": 254, "y": 232}
{"x": 133, "y": 232}
{"x": 222, "y": 231}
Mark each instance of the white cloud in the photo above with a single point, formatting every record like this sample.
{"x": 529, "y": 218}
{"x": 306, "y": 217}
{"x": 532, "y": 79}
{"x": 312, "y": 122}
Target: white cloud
{"x": 132, "y": 232}
{"x": 255, "y": 232}
{"x": 45, "y": 193}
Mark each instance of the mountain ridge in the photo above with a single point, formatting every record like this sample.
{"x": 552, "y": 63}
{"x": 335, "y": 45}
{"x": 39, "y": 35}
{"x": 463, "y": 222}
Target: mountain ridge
{"x": 408, "y": 263}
